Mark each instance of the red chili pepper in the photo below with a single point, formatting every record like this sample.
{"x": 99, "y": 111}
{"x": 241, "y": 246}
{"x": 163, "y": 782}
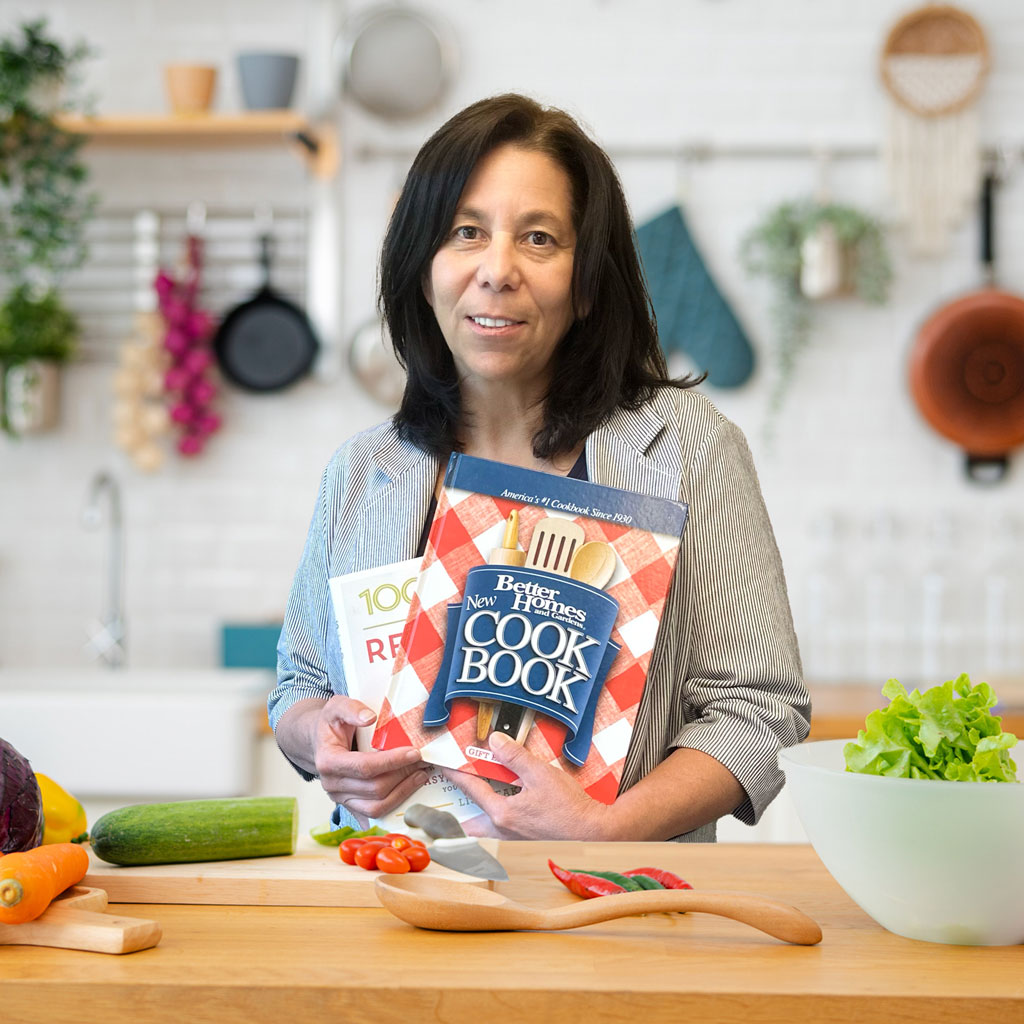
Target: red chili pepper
{"x": 582, "y": 884}
{"x": 667, "y": 879}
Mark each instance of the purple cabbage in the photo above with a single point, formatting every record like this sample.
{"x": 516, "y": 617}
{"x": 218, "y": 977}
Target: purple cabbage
{"x": 21, "y": 803}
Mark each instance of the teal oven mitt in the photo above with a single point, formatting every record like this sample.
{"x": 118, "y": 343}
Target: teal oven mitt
{"x": 693, "y": 317}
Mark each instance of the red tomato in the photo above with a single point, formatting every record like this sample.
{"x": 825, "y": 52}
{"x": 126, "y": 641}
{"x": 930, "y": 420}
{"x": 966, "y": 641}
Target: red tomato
{"x": 392, "y": 836}
{"x": 392, "y": 861}
{"x": 417, "y": 857}
{"x": 401, "y": 843}
{"x": 418, "y": 842}
{"x": 366, "y": 855}
{"x": 347, "y": 849}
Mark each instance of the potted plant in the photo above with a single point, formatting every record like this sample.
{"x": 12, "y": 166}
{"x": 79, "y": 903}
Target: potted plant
{"x": 811, "y": 251}
{"x": 44, "y": 206}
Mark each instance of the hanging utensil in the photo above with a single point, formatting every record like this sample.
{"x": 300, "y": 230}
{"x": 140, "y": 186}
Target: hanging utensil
{"x": 374, "y": 365}
{"x": 396, "y": 62}
{"x": 266, "y": 342}
{"x": 967, "y": 365}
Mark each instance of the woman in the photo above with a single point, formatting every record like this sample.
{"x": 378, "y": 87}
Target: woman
{"x": 513, "y": 295}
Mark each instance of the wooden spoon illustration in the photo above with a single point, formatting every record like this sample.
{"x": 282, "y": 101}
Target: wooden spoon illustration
{"x": 440, "y": 904}
{"x": 593, "y": 563}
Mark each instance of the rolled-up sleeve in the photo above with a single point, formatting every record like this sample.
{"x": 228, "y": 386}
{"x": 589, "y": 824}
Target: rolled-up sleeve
{"x": 744, "y": 695}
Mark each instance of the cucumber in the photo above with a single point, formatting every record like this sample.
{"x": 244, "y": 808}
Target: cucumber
{"x": 186, "y": 831}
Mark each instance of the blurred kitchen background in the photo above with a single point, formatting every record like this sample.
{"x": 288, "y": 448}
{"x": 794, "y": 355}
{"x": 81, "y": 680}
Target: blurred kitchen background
{"x": 898, "y": 563}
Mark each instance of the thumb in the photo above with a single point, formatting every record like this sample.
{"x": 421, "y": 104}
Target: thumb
{"x": 346, "y": 711}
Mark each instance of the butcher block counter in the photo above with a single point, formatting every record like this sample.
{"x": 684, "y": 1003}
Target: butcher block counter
{"x": 316, "y": 963}
{"x": 838, "y": 710}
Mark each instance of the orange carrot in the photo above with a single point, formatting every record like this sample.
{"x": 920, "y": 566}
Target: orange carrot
{"x": 30, "y": 880}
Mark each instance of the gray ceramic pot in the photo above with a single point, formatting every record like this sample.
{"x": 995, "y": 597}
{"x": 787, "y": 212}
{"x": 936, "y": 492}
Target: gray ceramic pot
{"x": 268, "y": 79}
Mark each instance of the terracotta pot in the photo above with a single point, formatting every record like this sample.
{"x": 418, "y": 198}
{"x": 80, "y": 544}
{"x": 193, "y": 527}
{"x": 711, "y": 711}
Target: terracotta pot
{"x": 190, "y": 87}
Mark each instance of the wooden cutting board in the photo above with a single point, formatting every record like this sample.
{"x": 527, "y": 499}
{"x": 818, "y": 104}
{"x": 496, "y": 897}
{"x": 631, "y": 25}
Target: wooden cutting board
{"x": 314, "y": 876}
{"x": 77, "y": 919}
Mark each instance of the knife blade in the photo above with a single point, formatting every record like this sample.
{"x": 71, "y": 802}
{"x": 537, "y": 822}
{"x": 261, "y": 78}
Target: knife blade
{"x": 469, "y": 857}
{"x": 451, "y": 846}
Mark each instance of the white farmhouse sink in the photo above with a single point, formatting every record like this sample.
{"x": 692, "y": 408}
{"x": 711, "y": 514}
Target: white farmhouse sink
{"x": 172, "y": 734}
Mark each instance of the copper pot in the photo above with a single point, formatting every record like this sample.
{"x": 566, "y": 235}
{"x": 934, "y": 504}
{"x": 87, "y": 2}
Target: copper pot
{"x": 967, "y": 369}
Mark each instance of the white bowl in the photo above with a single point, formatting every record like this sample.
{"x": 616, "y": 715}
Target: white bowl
{"x": 938, "y": 861}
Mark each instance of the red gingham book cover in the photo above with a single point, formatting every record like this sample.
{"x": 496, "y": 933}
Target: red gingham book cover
{"x": 470, "y": 525}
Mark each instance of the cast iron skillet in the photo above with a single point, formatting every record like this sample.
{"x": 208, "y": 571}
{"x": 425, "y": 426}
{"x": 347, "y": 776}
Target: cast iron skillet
{"x": 266, "y": 343}
{"x": 967, "y": 367}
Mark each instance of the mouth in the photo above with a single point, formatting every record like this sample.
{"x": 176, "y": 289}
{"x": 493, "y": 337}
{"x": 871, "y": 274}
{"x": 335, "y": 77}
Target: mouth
{"x": 493, "y": 322}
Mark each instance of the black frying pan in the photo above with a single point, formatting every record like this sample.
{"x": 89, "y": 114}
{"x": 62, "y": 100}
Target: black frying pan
{"x": 266, "y": 343}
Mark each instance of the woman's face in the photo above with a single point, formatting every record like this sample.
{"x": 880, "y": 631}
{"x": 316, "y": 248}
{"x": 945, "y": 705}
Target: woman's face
{"x": 500, "y": 285}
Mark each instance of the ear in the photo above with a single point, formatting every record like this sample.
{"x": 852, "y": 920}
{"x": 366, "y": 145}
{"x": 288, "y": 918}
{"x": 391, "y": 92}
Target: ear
{"x": 428, "y": 289}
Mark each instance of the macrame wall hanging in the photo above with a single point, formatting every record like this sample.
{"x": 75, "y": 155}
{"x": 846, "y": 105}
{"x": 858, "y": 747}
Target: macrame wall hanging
{"x": 933, "y": 66}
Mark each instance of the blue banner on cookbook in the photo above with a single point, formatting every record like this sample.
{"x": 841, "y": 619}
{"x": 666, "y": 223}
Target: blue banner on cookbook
{"x": 532, "y": 639}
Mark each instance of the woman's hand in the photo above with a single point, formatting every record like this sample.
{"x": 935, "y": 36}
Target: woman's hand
{"x": 550, "y": 805}
{"x": 368, "y": 783}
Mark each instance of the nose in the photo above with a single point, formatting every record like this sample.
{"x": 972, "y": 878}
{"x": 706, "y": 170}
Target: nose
{"x": 498, "y": 268}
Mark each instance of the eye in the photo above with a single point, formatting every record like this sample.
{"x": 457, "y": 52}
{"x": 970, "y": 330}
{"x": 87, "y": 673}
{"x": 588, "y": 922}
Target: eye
{"x": 539, "y": 238}
{"x": 467, "y": 232}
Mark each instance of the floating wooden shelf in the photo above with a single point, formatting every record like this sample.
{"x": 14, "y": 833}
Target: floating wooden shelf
{"x": 319, "y": 144}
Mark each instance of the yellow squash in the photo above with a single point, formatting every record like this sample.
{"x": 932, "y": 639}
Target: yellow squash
{"x": 63, "y": 814}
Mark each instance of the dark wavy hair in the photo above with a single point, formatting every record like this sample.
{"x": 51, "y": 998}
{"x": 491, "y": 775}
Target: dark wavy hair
{"x": 609, "y": 358}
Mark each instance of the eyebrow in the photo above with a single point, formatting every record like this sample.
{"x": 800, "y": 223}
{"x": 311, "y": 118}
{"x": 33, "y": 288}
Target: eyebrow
{"x": 530, "y": 217}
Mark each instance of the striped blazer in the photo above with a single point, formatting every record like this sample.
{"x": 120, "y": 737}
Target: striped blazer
{"x": 725, "y": 674}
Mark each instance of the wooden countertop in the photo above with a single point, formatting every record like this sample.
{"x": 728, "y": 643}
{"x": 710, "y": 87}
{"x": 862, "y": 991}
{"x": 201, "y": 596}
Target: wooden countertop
{"x": 838, "y": 710}
{"x": 273, "y": 964}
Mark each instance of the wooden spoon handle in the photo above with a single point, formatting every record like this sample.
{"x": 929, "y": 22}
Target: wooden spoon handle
{"x": 779, "y": 920}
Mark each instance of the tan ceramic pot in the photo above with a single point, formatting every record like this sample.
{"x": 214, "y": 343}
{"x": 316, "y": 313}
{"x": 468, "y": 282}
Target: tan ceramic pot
{"x": 190, "y": 87}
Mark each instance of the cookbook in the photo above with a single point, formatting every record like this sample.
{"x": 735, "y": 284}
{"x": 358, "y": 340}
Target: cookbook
{"x": 534, "y": 614}
{"x": 370, "y": 609}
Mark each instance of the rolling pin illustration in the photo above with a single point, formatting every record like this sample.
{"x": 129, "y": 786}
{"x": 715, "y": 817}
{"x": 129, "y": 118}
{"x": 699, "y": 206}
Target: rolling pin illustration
{"x": 556, "y": 547}
{"x": 508, "y": 554}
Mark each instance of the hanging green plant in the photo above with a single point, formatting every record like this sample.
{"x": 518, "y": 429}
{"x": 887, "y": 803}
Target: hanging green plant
{"x": 44, "y": 201}
{"x": 44, "y": 205}
{"x": 811, "y": 250}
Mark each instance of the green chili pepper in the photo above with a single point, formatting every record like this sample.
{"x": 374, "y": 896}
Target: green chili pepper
{"x": 629, "y": 884}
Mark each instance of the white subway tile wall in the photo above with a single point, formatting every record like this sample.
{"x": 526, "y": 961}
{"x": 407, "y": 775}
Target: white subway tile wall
{"x": 216, "y": 538}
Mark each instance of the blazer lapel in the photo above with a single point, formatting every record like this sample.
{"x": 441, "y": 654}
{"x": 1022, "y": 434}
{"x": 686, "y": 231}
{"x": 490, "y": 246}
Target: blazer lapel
{"x": 622, "y": 453}
{"x": 391, "y": 522}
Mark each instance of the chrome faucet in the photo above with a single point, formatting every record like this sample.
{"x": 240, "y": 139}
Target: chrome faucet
{"x": 107, "y": 637}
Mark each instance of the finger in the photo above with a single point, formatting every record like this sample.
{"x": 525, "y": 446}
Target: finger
{"x": 377, "y": 807}
{"x": 365, "y": 764}
{"x": 514, "y": 756}
{"x": 476, "y": 788}
{"x": 375, "y": 787}
{"x": 347, "y": 711}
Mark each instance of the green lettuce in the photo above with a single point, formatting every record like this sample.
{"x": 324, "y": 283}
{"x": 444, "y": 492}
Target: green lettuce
{"x": 944, "y": 733}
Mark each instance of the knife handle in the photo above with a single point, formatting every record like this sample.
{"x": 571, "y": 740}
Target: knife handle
{"x": 437, "y": 824}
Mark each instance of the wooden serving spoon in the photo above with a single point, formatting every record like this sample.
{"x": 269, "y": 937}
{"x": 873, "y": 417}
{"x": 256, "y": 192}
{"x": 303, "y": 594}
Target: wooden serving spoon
{"x": 442, "y": 905}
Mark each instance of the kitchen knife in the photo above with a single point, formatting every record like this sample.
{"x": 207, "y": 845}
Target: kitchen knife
{"x": 451, "y": 846}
